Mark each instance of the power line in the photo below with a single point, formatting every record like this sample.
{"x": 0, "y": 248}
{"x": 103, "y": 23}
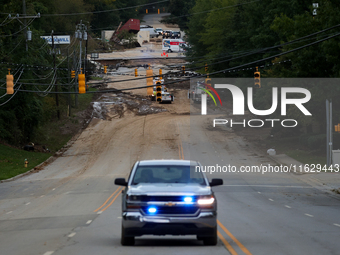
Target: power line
{"x": 204, "y": 75}
{"x": 217, "y": 9}
{"x": 112, "y": 10}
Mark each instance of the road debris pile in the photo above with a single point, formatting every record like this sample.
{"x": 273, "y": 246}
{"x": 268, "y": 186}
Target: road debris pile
{"x": 110, "y": 106}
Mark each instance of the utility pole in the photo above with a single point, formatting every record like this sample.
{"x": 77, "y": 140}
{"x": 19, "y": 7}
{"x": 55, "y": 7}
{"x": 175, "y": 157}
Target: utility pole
{"x": 27, "y": 34}
{"x": 81, "y": 34}
{"x": 55, "y": 85}
{"x": 68, "y": 81}
{"x": 24, "y": 13}
{"x": 329, "y": 131}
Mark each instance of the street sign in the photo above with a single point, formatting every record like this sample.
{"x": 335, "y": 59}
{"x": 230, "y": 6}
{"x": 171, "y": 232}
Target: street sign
{"x": 58, "y": 39}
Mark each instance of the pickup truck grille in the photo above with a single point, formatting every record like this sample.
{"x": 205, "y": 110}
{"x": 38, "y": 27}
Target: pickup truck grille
{"x": 173, "y": 210}
{"x": 164, "y": 198}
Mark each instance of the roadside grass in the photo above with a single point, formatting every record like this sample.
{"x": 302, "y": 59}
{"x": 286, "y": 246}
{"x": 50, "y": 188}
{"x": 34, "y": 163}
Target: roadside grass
{"x": 12, "y": 161}
{"x": 53, "y": 135}
{"x": 307, "y": 157}
{"x": 291, "y": 147}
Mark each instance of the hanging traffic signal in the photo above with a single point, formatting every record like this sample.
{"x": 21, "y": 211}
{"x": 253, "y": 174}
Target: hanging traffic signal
{"x": 160, "y": 74}
{"x": 206, "y": 67}
{"x": 337, "y": 128}
{"x": 149, "y": 82}
{"x": 81, "y": 83}
{"x": 136, "y": 72}
{"x": 158, "y": 91}
{"x": 257, "y": 81}
{"x": 73, "y": 74}
{"x": 9, "y": 83}
{"x": 105, "y": 69}
{"x": 183, "y": 70}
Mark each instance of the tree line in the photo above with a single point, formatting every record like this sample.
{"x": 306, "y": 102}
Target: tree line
{"x": 236, "y": 32}
{"x": 22, "y": 114}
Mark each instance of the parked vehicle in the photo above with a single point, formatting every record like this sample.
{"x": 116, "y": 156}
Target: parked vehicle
{"x": 167, "y": 34}
{"x": 159, "y": 31}
{"x": 173, "y": 45}
{"x": 176, "y": 35}
{"x": 152, "y": 31}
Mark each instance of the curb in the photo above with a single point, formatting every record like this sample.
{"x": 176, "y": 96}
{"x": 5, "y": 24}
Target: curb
{"x": 48, "y": 161}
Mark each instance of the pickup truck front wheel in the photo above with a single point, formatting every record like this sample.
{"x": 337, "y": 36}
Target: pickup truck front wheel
{"x": 211, "y": 240}
{"x": 126, "y": 240}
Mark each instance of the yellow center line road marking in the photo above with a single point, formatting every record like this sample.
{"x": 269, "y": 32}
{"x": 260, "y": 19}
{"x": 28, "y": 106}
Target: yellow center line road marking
{"x": 107, "y": 199}
{"x": 230, "y": 249}
{"x": 180, "y": 149}
{"x": 112, "y": 200}
{"x": 244, "y": 249}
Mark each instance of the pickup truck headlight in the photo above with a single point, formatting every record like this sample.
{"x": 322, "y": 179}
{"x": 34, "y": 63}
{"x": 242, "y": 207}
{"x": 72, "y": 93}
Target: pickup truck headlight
{"x": 206, "y": 201}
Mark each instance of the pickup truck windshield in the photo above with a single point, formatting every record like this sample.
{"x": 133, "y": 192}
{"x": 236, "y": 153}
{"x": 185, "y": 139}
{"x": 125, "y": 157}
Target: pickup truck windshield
{"x": 167, "y": 174}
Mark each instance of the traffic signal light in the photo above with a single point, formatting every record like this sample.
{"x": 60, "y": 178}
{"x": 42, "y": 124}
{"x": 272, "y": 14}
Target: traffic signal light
{"x": 81, "y": 83}
{"x": 73, "y": 74}
{"x": 183, "y": 70}
{"x": 160, "y": 73}
{"x": 9, "y": 83}
{"x": 206, "y": 67}
{"x": 105, "y": 69}
{"x": 337, "y": 128}
{"x": 136, "y": 72}
{"x": 257, "y": 82}
{"x": 208, "y": 81}
{"x": 159, "y": 92}
{"x": 149, "y": 82}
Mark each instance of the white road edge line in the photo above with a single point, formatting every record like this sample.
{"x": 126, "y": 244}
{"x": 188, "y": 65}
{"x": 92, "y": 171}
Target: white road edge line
{"x": 28, "y": 203}
{"x": 72, "y": 234}
{"x": 89, "y": 221}
{"x": 49, "y": 253}
{"x": 271, "y": 199}
{"x": 338, "y": 225}
{"x": 259, "y": 192}
{"x": 287, "y": 206}
{"x": 309, "y": 215}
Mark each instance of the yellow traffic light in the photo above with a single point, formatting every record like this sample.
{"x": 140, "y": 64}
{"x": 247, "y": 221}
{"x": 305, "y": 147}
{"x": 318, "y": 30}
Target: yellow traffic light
{"x": 149, "y": 82}
{"x": 208, "y": 81}
{"x": 158, "y": 91}
{"x": 160, "y": 73}
{"x": 81, "y": 83}
{"x": 9, "y": 83}
{"x": 105, "y": 69}
{"x": 136, "y": 72}
{"x": 73, "y": 74}
{"x": 337, "y": 128}
{"x": 183, "y": 70}
{"x": 206, "y": 67}
{"x": 257, "y": 79}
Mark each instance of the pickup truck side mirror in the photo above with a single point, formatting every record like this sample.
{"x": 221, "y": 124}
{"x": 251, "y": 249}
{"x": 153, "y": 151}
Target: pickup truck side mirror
{"x": 216, "y": 182}
{"x": 120, "y": 181}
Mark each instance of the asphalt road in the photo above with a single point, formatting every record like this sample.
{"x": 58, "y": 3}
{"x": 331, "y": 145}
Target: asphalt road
{"x": 73, "y": 207}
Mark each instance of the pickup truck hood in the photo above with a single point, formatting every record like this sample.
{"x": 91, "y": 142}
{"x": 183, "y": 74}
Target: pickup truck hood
{"x": 169, "y": 189}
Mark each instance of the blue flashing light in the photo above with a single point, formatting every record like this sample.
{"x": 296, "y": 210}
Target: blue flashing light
{"x": 152, "y": 210}
{"x": 188, "y": 199}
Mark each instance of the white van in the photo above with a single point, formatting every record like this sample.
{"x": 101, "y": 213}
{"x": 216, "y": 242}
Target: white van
{"x": 173, "y": 45}
{"x": 153, "y": 32}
